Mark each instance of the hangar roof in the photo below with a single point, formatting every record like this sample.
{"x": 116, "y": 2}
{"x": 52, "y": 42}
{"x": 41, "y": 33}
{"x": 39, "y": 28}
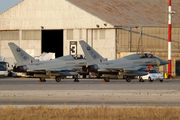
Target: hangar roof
{"x": 68, "y": 14}
{"x": 131, "y": 12}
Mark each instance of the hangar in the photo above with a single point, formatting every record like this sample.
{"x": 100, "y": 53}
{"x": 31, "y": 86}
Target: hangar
{"x": 113, "y": 27}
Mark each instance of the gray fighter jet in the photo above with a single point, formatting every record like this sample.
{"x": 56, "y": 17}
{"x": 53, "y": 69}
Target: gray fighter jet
{"x": 60, "y": 67}
{"x": 126, "y": 67}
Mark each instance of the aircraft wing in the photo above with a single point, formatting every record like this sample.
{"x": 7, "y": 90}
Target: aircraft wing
{"x": 125, "y": 69}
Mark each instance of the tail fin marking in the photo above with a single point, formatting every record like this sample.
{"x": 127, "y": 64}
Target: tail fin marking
{"x": 22, "y": 57}
{"x": 92, "y": 56}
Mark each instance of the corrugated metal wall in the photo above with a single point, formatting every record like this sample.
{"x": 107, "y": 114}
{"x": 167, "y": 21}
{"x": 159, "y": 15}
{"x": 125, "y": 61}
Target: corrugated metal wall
{"x": 102, "y": 40}
{"x": 151, "y": 39}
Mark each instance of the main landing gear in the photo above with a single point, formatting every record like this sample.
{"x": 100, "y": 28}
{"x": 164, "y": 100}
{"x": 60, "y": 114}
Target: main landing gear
{"x": 128, "y": 79}
{"x": 58, "y": 78}
{"x": 76, "y": 79}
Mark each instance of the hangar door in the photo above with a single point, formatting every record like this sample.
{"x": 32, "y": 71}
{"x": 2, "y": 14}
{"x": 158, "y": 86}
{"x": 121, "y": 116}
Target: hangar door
{"x": 52, "y": 41}
{"x": 177, "y": 68}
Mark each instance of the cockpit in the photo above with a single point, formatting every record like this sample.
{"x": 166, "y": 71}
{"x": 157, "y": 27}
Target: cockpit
{"x": 146, "y": 55}
{"x": 79, "y": 56}
{"x": 139, "y": 55}
{"x": 71, "y": 57}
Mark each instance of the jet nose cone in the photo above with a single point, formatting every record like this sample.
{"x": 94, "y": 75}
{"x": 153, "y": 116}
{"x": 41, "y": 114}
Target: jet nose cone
{"x": 164, "y": 62}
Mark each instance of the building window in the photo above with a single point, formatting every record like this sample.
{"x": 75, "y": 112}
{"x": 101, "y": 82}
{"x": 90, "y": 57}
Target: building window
{"x": 70, "y": 34}
{"x": 102, "y": 34}
{"x": 9, "y": 35}
{"x": 31, "y": 34}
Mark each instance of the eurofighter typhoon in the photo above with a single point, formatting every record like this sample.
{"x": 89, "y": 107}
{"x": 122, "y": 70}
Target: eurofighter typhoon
{"x": 126, "y": 67}
{"x": 60, "y": 67}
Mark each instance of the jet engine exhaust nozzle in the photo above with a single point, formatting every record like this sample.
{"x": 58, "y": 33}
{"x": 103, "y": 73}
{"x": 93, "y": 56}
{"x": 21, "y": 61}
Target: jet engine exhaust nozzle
{"x": 20, "y": 68}
{"x": 93, "y": 68}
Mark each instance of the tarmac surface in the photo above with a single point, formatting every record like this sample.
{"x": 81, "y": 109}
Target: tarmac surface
{"x": 23, "y": 92}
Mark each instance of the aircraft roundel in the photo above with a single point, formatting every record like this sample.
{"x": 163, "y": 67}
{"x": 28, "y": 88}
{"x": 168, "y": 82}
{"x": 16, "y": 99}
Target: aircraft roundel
{"x": 94, "y": 56}
{"x": 88, "y": 48}
{"x": 18, "y": 49}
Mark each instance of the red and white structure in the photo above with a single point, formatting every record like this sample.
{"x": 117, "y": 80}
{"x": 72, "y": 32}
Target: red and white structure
{"x": 169, "y": 40}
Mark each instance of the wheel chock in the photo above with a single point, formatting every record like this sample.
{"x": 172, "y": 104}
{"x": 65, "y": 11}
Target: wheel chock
{"x": 105, "y": 81}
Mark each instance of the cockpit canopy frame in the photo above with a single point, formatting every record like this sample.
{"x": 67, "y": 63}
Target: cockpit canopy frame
{"x": 78, "y": 56}
{"x": 146, "y": 55}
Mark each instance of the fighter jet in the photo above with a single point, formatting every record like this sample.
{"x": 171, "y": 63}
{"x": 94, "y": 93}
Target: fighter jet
{"x": 60, "y": 67}
{"x": 126, "y": 67}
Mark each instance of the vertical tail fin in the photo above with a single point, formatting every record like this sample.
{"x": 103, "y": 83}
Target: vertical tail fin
{"x": 22, "y": 58}
{"x": 92, "y": 56}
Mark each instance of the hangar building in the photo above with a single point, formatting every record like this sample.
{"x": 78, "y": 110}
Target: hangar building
{"x": 113, "y": 27}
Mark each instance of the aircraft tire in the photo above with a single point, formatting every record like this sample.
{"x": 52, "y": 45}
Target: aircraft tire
{"x": 58, "y": 79}
{"x": 76, "y": 80}
{"x": 161, "y": 80}
{"x": 128, "y": 79}
{"x": 106, "y": 79}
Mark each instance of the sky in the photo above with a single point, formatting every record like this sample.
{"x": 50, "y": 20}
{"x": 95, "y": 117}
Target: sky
{"x": 6, "y": 4}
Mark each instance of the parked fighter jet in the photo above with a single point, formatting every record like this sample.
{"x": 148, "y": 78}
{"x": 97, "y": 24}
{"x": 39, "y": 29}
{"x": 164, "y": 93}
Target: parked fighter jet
{"x": 125, "y": 67}
{"x": 60, "y": 67}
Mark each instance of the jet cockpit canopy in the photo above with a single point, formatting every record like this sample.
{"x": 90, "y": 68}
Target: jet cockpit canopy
{"x": 71, "y": 57}
{"x": 139, "y": 55}
{"x": 146, "y": 55}
{"x": 79, "y": 56}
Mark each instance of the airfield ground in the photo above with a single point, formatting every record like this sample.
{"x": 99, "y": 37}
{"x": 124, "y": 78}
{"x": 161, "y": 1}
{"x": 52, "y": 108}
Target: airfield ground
{"x": 88, "y": 93}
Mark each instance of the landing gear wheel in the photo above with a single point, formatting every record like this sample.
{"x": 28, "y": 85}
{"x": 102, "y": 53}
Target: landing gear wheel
{"x": 76, "y": 79}
{"x": 42, "y": 80}
{"x": 161, "y": 80}
{"x": 58, "y": 79}
{"x": 128, "y": 79}
{"x": 150, "y": 79}
{"x": 141, "y": 79}
{"x": 106, "y": 79}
